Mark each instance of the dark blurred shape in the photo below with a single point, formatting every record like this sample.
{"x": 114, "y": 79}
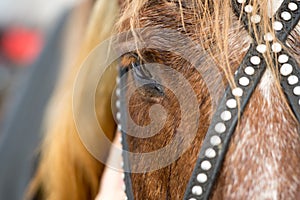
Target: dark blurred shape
{"x": 5, "y": 76}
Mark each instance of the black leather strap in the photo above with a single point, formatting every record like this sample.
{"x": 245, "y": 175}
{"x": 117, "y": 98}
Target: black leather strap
{"x": 209, "y": 142}
{"x": 287, "y": 85}
{"x": 126, "y": 161}
{"x": 288, "y": 88}
{"x": 237, "y": 9}
{"x": 288, "y": 25}
{"x": 197, "y": 187}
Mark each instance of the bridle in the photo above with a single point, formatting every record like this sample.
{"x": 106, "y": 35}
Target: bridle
{"x": 248, "y": 75}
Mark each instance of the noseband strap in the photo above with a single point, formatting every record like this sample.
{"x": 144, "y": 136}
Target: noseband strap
{"x": 247, "y": 77}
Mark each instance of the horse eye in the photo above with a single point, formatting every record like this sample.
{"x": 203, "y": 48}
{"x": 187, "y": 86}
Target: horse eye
{"x": 145, "y": 79}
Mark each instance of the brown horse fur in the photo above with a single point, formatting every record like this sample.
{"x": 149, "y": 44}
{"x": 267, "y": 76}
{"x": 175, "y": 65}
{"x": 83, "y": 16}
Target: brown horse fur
{"x": 263, "y": 158}
{"x": 264, "y": 153}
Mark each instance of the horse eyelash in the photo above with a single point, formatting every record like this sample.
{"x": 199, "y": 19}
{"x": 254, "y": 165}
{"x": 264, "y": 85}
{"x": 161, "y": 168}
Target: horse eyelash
{"x": 145, "y": 78}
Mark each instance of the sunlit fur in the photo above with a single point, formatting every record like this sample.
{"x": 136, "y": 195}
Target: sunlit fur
{"x": 66, "y": 170}
{"x": 263, "y": 158}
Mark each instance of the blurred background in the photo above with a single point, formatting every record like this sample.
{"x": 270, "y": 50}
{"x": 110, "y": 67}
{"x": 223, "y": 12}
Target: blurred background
{"x": 38, "y": 41}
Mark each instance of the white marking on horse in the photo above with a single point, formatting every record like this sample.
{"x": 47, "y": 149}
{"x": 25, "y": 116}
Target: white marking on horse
{"x": 266, "y": 85}
{"x": 259, "y": 146}
{"x": 273, "y": 6}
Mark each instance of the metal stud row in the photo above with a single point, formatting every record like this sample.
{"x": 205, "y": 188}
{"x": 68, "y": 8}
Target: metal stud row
{"x": 286, "y": 70}
{"x": 119, "y": 127}
{"x": 285, "y": 16}
{"x": 220, "y": 127}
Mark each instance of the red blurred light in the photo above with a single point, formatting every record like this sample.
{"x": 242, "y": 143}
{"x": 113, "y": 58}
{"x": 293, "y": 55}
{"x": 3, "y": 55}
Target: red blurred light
{"x": 22, "y": 45}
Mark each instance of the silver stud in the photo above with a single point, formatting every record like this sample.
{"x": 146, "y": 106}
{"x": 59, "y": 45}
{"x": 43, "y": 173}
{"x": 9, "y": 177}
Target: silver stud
{"x": 215, "y": 140}
{"x": 296, "y": 90}
{"x": 122, "y": 164}
{"x": 286, "y": 69}
{"x": 277, "y": 26}
{"x": 276, "y": 47}
{"x": 261, "y": 48}
{"x": 255, "y": 19}
{"x": 231, "y": 103}
{"x": 255, "y": 60}
{"x": 119, "y": 127}
{"x": 118, "y": 115}
{"x": 248, "y": 8}
{"x": 283, "y": 58}
{"x": 268, "y": 37}
{"x": 299, "y": 101}
{"x": 118, "y": 104}
{"x": 249, "y": 70}
{"x": 241, "y": 1}
{"x": 118, "y": 92}
{"x": 192, "y": 199}
{"x": 238, "y": 92}
{"x": 205, "y": 165}
{"x": 286, "y": 15}
{"x": 292, "y": 6}
{"x": 197, "y": 190}
{"x": 210, "y": 153}
{"x": 244, "y": 81}
{"x": 292, "y": 80}
{"x": 226, "y": 115}
{"x": 118, "y": 80}
{"x": 220, "y": 127}
{"x": 201, "y": 178}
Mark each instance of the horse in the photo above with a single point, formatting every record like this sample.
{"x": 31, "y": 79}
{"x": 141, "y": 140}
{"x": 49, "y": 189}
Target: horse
{"x": 251, "y": 47}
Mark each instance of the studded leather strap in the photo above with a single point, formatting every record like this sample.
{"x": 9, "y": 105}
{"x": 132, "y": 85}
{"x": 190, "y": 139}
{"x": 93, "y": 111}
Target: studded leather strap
{"x": 249, "y": 73}
{"x": 217, "y": 139}
{"x": 121, "y": 106}
{"x": 288, "y": 15}
{"x": 285, "y": 20}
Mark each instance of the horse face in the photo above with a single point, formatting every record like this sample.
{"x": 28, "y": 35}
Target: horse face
{"x": 210, "y": 44}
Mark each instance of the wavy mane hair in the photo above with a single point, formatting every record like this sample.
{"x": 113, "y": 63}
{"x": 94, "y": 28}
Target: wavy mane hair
{"x": 264, "y": 150}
